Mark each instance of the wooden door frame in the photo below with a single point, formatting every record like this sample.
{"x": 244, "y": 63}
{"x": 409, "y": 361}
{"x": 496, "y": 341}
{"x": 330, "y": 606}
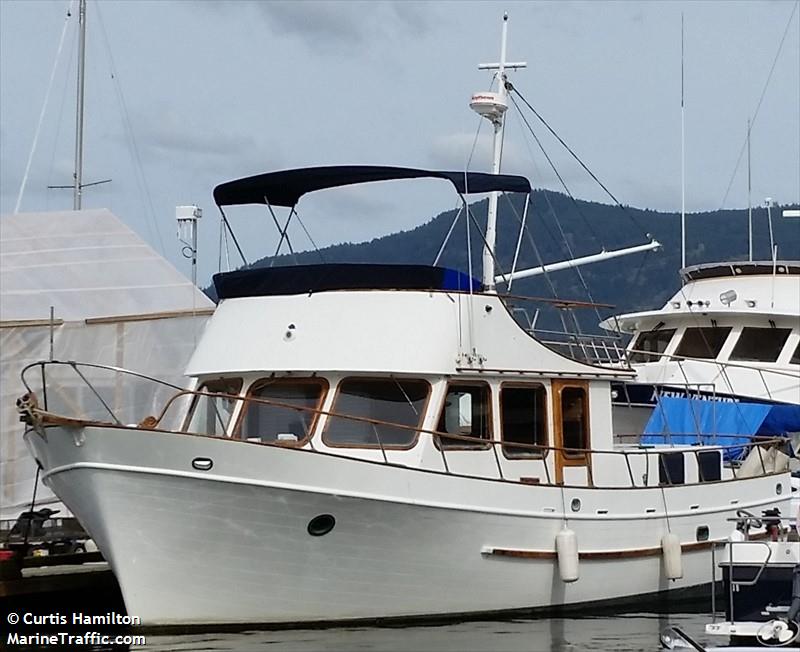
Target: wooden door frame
{"x": 561, "y": 460}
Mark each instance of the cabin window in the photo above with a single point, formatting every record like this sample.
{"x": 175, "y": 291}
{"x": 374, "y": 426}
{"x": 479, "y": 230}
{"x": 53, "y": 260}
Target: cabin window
{"x": 213, "y": 406}
{"x": 284, "y": 411}
{"x": 523, "y": 419}
{"x": 392, "y": 410}
{"x": 703, "y": 342}
{"x": 709, "y": 466}
{"x": 671, "y": 468}
{"x": 650, "y": 344}
{"x": 574, "y": 421}
{"x": 466, "y": 412}
{"x": 796, "y": 355}
{"x": 760, "y": 344}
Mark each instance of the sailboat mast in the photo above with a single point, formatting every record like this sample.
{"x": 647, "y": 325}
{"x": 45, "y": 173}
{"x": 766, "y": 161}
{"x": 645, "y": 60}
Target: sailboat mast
{"x": 497, "y": 155}
{"x": 77, "y": 175}
{"x": 683, "y": 163}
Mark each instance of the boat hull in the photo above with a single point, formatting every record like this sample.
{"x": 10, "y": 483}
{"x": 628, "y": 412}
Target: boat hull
{"x": 231, "y": 544}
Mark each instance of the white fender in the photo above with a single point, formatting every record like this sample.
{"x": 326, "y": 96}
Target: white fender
{"x": 567, "y": 550}
{"x": 671, "y": 550}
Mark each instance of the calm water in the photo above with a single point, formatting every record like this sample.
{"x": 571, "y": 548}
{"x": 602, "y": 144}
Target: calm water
{"x": 628, "y": 633}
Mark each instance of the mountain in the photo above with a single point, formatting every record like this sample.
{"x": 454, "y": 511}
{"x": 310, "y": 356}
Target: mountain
{"x": 635, "y": 282}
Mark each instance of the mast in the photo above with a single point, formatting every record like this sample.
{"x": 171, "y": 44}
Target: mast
{"x": 683, "y": 163}
{"x": 749, "y": 201}
{"x": 492, "y": 106}
{"x": 77, "y": 175}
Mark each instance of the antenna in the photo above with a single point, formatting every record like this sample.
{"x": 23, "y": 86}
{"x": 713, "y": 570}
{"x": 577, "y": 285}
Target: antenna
{"x": 187, "y": 217}
{"x": 749, "y": 200}
{"x": 492, "y": 106}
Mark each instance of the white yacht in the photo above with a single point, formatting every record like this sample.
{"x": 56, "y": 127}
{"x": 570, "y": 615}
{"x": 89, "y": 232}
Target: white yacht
{"x": 377, "y": 441}
{"x": 730, "y": 334}
{"x": 370, "y": 442}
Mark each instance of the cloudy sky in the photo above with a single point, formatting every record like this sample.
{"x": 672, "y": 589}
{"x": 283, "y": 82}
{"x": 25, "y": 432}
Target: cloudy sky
{"x": 184, "y": 95}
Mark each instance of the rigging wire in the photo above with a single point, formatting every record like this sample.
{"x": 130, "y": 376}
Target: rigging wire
{"x": 61, "y": 113}
{"x": 540, "y": 260}
{"x": 556, "y": 172}
{"x": 308, "y": 235}
{"x": 139, "y": 175}
{"x": 758, "y": 106}
{"x": 514, "y": 91}
{"x": 44, "y": 109}
{"x": 557, "y": 221}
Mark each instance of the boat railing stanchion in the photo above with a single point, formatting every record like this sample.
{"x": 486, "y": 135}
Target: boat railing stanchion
{"x": 497, "y": 459}
{"x": 380, "y": 443}
{"x": 444, "y": 457}
{"x": 630, "y": 470}
{"x": 766, "y": 385}
{"x": 546, "y": 467}
{"x": 713, "y": 582}
{"x": 44, "y": 387}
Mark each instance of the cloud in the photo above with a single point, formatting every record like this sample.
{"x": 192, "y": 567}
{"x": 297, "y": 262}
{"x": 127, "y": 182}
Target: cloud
{"x": 452, "y": 151}
{"x": 326, "y": 26}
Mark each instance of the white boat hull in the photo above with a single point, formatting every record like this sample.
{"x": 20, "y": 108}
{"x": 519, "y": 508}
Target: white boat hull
{"x": 230, "y": 545}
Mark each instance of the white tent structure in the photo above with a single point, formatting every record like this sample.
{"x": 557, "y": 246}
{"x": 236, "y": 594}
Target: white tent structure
{"x": 115, "y": 302}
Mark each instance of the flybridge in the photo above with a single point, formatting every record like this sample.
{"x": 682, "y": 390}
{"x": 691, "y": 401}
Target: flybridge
{"x": 285, "y": 189}
{"x": 307, "y": 279}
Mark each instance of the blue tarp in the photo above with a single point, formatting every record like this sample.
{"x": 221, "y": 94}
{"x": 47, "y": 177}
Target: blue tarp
{"x": 689, "y": 421}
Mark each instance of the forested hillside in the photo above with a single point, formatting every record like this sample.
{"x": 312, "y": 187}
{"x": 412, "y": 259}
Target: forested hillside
{"x": 557, "y": 225}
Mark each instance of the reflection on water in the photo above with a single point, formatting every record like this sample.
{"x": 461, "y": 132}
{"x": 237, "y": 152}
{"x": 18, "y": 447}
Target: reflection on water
{"x": 628, "y": 633}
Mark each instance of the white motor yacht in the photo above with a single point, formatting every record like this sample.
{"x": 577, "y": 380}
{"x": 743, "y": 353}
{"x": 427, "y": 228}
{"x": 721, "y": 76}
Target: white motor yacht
{"x": 378, "y": 442}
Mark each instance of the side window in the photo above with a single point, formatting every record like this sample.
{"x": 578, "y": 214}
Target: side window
{"x": 284, "y": 410}
{"x": 574, "y": 421}
{"x": 650, "y": 344}
{"x": 705, "y": 342}
{"x": 381, "y": 405}
{"x": 796, "y": 355}
{"x": 466, "y": 413}
{"x": 523, "y": 419}
{"x": 213, "y": 406}
{"x": 760, "y": 344}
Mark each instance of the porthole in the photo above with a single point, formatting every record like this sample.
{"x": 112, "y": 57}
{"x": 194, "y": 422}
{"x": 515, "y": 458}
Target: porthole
{"x": 202, "y": 463}
{"x": 575, "y": 505}
{"x": 779, "y": 488}
{"x": 321, "y": 525}
{"x": 702, "y": 533}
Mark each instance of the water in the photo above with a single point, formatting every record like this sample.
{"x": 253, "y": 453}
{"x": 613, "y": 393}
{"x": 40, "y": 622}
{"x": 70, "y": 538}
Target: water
{"x": 637, "y": 632}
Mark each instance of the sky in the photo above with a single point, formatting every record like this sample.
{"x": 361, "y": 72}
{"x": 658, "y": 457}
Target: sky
{"x": 183, "y": 95}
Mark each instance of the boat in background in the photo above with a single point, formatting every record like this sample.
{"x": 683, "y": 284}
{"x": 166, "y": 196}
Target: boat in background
{"x": 761, "y": 589}
{"x": 730, "y": 334}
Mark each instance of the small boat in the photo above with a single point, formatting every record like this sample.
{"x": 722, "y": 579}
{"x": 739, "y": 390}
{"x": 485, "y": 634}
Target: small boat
{"x": 761, "y": 588}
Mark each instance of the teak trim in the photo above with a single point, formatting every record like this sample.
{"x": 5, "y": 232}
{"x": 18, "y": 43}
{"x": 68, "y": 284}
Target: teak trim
{"x": 261, "y": 383}
{"x": 582, "y": 457}
{"x": 607, "y": 554}
{"x": 481, "y": 443}
{"x": 378, "y": 446}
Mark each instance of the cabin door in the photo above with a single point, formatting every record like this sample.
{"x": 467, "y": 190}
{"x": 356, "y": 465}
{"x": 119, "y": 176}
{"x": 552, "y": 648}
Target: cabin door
{"x": 571, "y": 428}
